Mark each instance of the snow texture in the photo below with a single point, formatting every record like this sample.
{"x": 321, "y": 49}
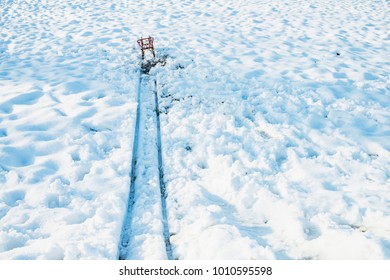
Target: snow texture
{"x": 275, "y": 128}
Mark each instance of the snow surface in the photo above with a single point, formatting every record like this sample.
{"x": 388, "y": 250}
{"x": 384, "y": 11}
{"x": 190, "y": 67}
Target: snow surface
{"x": 274, "y": 116}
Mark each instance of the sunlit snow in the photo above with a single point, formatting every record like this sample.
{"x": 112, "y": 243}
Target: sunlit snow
{"x": 275, "y": 127}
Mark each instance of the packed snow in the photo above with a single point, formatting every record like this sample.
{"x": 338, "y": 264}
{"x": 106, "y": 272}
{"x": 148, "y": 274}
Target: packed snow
{"x": 275, "y": 127}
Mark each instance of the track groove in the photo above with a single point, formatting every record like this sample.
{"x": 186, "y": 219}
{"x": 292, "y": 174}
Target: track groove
{"x": 126, "y": 230}
{"x": 149, "y": 140}
{"x": 163, "y": 192}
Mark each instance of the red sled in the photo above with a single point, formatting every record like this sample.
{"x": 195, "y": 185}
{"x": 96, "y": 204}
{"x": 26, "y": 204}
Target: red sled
{"x": 146, "y": 44}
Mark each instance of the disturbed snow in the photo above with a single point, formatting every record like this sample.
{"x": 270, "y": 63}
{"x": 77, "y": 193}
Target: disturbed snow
{"x": 275, "y": 127}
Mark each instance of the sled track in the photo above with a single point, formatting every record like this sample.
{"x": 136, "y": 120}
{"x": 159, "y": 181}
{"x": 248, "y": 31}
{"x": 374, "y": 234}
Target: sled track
{"x": 163, "y": 191}
{"x": 126, "y": 234}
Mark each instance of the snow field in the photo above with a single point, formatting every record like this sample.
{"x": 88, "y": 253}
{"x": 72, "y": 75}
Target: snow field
{"x": 294, "y": 126}
{"x": 294, "y": 181}
{"x": 66, "y": 116}
{"x": 274, "y": 118}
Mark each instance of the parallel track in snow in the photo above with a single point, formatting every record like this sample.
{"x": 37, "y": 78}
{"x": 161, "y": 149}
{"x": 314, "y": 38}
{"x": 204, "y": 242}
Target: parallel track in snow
{"x": 163, "y": 191}
{"x": 126, "y": 227}
{"x": 141, "y": 164}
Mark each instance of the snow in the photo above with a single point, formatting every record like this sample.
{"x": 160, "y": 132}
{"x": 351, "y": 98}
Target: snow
{"x": 274, "y": 119}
